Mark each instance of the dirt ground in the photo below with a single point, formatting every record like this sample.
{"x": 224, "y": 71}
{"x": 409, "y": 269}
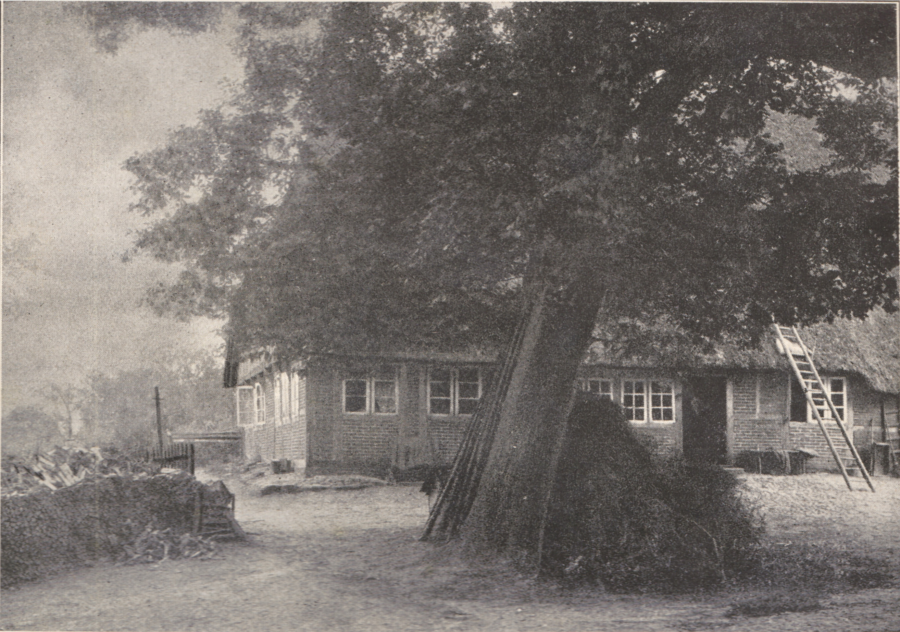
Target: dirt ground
{"x": 350, "y": 560}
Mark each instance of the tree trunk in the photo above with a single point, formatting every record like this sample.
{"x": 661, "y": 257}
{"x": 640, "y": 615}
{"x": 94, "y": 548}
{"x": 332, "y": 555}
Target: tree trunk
{"x": 512, "y": 495}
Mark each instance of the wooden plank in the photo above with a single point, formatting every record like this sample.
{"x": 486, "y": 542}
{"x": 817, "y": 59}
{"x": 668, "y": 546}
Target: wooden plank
{"x": 234, "y": 525}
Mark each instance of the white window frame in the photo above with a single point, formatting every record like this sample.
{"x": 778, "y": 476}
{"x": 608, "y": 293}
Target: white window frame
{"x": 826, "y": 412}
{"x": 455, "y": 391}
{"x": 259, "y": 402}
{"x": 283, "y": 412}
{"x": 298, "y": 407}
{"x": 597, "y": 386}
{"x": 242, "y": 394}
{"x": 276, "y": 394}
{"x": 370, "y": 395}
{"x": 649, "y": 404}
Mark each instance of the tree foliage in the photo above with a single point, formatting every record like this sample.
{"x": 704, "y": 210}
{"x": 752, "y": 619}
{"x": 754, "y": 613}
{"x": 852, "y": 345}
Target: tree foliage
{"x": 414, "y": 174}
{"x": 120, "y": 409}
{"x": 394, "y": 173}
{"x": 28, "y": 430}
{"x": 114, "y": 23}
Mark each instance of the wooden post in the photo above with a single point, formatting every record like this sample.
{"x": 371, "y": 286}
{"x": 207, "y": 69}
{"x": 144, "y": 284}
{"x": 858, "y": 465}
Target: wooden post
{"x": 159, "y": 429}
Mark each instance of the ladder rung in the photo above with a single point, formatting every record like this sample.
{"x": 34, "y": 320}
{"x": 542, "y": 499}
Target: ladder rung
{"x": 800, "y": 358}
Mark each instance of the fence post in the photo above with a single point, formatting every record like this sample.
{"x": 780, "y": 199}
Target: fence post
{"x": 159, "y": 429}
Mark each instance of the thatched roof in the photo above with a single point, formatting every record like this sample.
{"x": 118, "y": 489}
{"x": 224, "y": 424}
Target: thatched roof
{"x": 869, "y": 348}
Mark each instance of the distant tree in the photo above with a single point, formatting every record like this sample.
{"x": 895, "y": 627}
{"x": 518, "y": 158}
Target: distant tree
{"x": 122, "y": 409}
{"x": 421, "y": 173}
{"x": 28, "y": 430}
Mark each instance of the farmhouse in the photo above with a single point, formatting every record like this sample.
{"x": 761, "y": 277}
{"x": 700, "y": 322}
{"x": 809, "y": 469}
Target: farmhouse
{"x": 408, "y": 409}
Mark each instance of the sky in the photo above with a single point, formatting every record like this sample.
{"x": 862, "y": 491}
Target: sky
{"x": 71, "y": 117}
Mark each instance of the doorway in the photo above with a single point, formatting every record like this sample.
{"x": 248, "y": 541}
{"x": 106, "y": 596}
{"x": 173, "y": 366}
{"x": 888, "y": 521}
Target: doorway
{"x": 704, "y": 420}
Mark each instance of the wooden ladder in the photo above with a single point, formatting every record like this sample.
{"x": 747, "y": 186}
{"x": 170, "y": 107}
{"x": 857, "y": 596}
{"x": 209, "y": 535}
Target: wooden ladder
{"x": 818, "y": 397}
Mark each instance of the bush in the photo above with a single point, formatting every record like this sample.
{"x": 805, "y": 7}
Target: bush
{"x": 630, "y": 522}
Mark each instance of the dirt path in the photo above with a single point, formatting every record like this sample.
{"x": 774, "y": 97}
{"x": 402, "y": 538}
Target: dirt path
{"x": 350, "y": 560}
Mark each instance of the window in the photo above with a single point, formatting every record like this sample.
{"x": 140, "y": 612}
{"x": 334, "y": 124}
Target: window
{"x": 454, "y": 391}
{"x": 836, "y": 387}
{"x": 298, "y": 395}
{"x": 364, "y": 394}
{"x": 385, "y": 400}
{"x": 603, "y": 388}
{"x": 260, "y": 403}
{"x": 246, "y": 415}
{"x": 284, "y": 383}
{"x": 662, "y": 401}
{"x": 637, "y": 394}
{"x": 279, "y": 398}
{"x": 634, "y": 400}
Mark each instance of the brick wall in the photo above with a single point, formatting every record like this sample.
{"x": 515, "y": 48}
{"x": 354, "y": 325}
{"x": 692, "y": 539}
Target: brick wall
{"x": 759, "y": 402}
{"x": 758, "y": 434}
{"x": 274, "y": 439}
{"x": 744, "y": 396}
{"x": 446, "y": 435}
{"x": 809, "y": 437}
{"x": 321, "y": 402}
{"x": 663, "y": 437}
{"x": 368, "y": 438}
{"x": 760, "y": 418}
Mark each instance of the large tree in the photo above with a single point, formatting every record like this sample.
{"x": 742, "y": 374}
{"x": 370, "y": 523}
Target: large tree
{"x": 420, "y": 173}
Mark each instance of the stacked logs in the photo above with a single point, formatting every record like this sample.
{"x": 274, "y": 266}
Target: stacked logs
{"x": 97, "y": 518}
{"x": 157, "y": 545}
{"x": 65, "y": 467}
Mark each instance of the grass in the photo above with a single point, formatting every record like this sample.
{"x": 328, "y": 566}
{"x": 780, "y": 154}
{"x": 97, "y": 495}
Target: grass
{"x": 820, "y": 567}
{"x": 772, "y": 604}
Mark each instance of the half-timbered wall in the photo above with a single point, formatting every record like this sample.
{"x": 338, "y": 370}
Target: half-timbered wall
{"x": 281, "y": 432}
{"x": 416, "y": 412}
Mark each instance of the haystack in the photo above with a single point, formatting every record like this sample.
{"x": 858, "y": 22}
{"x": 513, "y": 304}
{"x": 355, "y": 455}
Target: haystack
{"x": 630, "y": 521}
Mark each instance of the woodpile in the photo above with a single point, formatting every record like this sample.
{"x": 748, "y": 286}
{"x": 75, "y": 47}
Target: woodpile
{"x": 157, "y": 545}
{"x": 214, "y": 513}
{"x": 71, "y": 508}
{"x": 65, "y": 467}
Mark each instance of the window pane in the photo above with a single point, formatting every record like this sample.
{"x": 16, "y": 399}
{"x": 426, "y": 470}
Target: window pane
{"x": 355, "y": 405}
{"x": 467, "y": 406}
{"x": 467, "y": 390}
{"x": 605, "y": 389}
{"x": 468, "y": 375}
{"x": 355, "y": 388}
{"x": 440, "y": 406}
{"x": 440, "y": 375}
{"x": 440, "y": 389}
{"x": 385, "y": 397}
